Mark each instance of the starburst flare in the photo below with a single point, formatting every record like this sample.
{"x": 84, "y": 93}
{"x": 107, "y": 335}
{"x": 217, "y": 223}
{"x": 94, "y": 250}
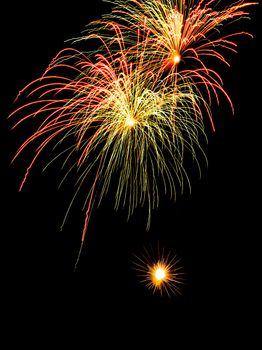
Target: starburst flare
{"x": 160, "y": 271}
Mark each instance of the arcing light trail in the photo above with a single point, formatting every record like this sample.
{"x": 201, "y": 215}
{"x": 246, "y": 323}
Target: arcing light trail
{"x": 135, "y": 106}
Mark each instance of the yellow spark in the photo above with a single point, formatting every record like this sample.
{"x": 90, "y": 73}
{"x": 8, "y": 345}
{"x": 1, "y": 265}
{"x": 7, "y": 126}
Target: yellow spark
{"x": 130, "y": 121}
{"x": 160, "y": 272}
{"x": 176, "y": 58}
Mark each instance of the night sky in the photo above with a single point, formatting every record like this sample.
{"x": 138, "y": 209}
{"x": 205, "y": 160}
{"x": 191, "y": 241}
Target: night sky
{"x": 214, "y": 230}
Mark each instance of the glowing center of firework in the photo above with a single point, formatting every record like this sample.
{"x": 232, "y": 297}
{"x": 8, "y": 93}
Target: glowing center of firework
{"x": 176, "y": 58}
{"x": 130, "y": 122}
{"x": 160, "y": 274}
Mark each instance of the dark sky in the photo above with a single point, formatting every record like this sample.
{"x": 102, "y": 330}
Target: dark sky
{"x": 214, "y": 230}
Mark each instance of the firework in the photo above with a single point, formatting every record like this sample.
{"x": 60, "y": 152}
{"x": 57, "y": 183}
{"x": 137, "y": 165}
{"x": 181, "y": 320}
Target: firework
{"x": 114, "y": 120}
{"x": 159, "y": 271}
{"x": 181, "y": 37}
{"x": 125, "y": 114}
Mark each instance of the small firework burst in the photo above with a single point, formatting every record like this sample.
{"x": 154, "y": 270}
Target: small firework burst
{"x": 159, "y": 271}
{"x": 181, "y": 37}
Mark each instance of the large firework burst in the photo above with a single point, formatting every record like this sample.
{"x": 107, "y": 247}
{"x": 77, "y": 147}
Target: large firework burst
{"x": 115, "y": 120}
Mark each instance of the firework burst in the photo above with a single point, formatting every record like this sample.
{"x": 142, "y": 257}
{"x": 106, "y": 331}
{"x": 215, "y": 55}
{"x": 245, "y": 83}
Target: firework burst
{"x": 181, "y": 37}
{"x": 114, "y": 120}
{"x": 159, "y": 271}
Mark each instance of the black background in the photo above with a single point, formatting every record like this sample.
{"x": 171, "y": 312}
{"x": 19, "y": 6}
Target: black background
{"x": 214, "y": 230}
